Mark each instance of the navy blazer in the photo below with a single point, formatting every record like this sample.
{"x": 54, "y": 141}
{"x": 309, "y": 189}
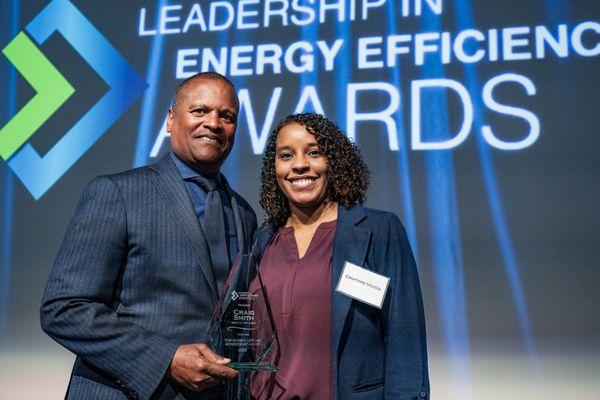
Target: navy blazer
{"x": 377, "y": 353}
{"x": 132, "y": 281}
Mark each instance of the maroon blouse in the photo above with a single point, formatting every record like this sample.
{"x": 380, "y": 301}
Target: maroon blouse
{"x": 299, "y": 291}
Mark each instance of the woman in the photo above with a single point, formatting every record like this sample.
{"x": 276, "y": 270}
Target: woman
{"x": 333, "y": 346}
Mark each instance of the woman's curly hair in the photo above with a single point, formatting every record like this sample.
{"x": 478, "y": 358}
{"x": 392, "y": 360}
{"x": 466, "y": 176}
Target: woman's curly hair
{"x": 348, "y": 175}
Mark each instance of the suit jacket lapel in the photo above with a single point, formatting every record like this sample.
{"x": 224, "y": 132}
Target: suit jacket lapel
{"x": 351, "y": 243}
{"x": 172, "y": 188}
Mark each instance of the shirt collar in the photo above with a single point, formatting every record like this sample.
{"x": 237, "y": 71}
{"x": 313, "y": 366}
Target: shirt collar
{"x": 187, "y": 173}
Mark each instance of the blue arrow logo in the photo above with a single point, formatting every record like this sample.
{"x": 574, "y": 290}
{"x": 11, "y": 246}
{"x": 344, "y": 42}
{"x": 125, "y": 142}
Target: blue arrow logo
{"x": 39, "y": 173}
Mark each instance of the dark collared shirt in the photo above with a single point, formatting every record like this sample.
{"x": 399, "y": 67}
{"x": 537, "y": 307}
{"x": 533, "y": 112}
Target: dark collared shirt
{"x": 198, "y": 198}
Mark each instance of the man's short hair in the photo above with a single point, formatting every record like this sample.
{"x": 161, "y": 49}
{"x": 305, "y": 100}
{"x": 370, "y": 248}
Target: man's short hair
{"x": 209, "y": 75}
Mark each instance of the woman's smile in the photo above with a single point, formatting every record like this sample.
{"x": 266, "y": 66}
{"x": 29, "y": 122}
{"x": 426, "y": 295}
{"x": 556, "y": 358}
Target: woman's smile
{"x": 302, "y": 183}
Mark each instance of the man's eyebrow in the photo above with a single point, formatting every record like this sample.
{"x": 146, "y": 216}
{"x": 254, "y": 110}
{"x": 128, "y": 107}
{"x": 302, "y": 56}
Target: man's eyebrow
{"x": 195, "y": 106}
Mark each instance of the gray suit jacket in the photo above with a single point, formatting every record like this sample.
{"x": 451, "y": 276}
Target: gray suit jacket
{"x": 131, "y": 282}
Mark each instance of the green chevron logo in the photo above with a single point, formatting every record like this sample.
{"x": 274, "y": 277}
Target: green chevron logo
{"x": 52, "y": 90}
{"x": 39, "y": 172}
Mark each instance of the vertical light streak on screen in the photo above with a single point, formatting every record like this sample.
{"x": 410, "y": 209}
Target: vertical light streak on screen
{"x": 376, "y": 133}
{"x": 232, "y": 166}
{"x": 10, "y": 20}
{"x": 464, "y": 20}
{"x": 310, "y": 34}
{"x": 445, "y": 234}
{"x": 408, "y": 217}
{"x": 342, "y": 73}
{"x": 146, "y": 123}
{"x": 559, "y": 12}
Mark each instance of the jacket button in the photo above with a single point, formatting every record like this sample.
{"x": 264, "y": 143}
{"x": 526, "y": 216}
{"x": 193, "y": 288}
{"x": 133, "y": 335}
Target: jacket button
{"x": 422, "y": 394}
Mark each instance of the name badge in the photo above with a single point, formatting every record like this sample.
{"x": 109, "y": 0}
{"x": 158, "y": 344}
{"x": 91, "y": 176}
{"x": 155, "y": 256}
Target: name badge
{"x": 363, "y": 285}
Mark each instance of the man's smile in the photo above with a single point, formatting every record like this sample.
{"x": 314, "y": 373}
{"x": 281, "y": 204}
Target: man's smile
{"x": 210, "y": 138}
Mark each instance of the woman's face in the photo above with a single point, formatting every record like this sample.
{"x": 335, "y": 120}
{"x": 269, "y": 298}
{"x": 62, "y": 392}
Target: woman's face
{"x": 300, "y": 167}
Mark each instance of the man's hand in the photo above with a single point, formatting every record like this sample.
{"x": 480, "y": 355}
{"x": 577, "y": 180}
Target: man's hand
{"x": 197, "y": 367}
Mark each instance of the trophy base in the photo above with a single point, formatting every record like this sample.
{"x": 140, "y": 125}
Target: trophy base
{"x": 245, "y": 366}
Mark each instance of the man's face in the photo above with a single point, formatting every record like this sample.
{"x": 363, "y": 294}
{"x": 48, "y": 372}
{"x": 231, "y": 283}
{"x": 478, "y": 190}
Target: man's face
{"x": 202, "y": 124}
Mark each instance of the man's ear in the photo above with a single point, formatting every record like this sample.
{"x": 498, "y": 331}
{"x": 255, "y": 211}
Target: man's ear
{"x": 170, "y": 118}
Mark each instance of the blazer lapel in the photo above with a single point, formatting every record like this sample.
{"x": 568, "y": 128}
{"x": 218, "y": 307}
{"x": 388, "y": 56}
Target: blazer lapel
{"x": 351, "y": 243}
{"x": 172, "y": 189}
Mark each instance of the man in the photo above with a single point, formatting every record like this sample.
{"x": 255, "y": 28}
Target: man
{"x": 139, "y": 272}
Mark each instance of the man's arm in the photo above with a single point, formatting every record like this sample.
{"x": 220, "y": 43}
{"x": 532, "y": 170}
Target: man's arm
{"x": 78, "y": 306}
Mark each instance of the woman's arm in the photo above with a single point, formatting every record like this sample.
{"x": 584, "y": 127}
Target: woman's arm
{"x": 404, "y": 324}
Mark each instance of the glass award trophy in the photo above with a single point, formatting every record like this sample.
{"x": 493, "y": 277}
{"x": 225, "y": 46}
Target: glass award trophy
{"x": 242, "y": 327}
